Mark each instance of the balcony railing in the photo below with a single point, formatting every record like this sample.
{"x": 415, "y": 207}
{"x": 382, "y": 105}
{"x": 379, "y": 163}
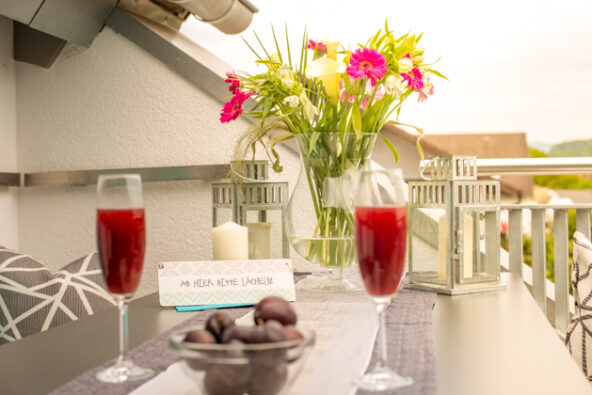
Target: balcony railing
{"x": 546, "y": 294}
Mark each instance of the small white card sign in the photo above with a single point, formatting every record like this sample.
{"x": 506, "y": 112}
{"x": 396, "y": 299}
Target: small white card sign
{"x": 190, "y": 283}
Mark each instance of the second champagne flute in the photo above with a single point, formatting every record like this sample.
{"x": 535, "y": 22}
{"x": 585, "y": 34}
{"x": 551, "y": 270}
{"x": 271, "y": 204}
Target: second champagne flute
{"x": 121, "y": 240}
{"x": 381, "y": 241}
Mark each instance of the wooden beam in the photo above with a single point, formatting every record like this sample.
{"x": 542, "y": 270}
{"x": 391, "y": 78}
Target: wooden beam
{"x": 35, "y": 47}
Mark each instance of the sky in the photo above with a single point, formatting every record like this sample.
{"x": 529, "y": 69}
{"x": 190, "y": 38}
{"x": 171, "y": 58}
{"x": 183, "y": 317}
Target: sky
{"x": 516, "y": 65}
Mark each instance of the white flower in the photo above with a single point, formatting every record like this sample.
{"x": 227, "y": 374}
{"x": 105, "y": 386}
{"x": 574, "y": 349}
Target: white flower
{"x": 405, "y": 65}
{"x": 309, "y": 109}
{"x": 369, "y": 88}
{"x": 286, "y": 78}
{"x": 288, "y": 82}
{"x": 393, "y": 85}
{"x": 292, "y": 101}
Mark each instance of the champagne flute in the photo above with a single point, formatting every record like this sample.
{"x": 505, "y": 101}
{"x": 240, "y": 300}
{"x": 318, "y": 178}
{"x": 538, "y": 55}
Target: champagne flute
{"x": 381, "y": 244}
{"x": 121, "y": 240}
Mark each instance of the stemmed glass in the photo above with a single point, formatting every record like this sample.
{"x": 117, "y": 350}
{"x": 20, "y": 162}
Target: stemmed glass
{"x": 381, "y": 243}
{"x": 121, "y": 240}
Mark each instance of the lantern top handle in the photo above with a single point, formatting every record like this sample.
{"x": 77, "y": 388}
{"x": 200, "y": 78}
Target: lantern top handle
{"x": 252, "y": 170}
{"x": 448, "y": 168}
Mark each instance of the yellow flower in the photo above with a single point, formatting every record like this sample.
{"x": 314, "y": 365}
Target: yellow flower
{"x": 405, "y": 65}
{"x": 328, "y": 71}
{"x": 332, "y": 47}
{"x": 417, "y": 55}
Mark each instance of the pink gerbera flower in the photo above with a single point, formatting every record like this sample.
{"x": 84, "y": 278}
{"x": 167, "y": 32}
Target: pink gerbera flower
{"x": 366, "y": 62}
{"x": 233, "y": 108}
{"x": 413, "y": 79}
{"x": 317, "y": 46}
{"x": 428, "y": 89}
{"x": 233, "y": 81}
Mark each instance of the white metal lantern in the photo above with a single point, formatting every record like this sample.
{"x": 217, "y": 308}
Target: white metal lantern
{"x": 248, "y": 202}
{"x": 454, "y": 228}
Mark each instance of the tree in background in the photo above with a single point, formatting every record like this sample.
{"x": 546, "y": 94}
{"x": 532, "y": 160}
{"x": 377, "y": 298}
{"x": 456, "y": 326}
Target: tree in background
{"x": 559, "y": 182}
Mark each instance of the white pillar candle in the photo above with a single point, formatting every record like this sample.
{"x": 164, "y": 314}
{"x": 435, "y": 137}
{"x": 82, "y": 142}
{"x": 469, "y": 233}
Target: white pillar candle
{"x": 259, "y": 240}
{"x": 230, "y": 242}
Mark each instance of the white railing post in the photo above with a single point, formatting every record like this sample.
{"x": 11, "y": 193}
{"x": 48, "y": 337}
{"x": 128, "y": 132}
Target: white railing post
{"x": 539, "y": 261}
{"x": 561, "y": 258}
{"x": 515, "y": 241}
{"x": 583, "y": 221}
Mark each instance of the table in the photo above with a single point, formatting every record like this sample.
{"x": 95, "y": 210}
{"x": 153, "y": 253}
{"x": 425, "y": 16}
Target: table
{"x": 490, "y": 343}
{"x": 501, "y": 343}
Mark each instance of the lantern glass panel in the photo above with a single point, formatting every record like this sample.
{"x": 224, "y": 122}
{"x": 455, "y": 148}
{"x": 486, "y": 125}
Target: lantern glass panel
{"x": 479, "y": 242}
{"x": 429, "y": 245}
{"x": 265, "y": 234}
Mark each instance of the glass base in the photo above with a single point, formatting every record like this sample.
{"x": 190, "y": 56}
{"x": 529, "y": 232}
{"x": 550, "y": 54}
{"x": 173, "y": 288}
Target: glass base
{"x": 332, "y": 281}
{"x": 124, "y": 371}
{"x": 382, "y": 379}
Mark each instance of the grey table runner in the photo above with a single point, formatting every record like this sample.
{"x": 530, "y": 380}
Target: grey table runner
{"x": 411, "y": 348}
{"x": 410, "y": 342}
{"x": 153, "y": 354}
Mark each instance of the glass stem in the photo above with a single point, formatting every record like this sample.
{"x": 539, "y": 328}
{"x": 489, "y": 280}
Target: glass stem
{"x": 123, "y": 330}
{"x": 381, "y": 310}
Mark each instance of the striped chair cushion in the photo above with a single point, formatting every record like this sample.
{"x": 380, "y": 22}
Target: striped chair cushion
{"x": 33, "y": 299}
{"x": 579, "y": 332}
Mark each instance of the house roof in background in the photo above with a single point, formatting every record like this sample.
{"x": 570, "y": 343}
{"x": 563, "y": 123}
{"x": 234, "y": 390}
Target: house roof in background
{"x": 583, "y": 196}
{"x": 483, "y": 145}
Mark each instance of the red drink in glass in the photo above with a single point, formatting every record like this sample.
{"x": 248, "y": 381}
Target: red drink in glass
{"x": 121, "y": 239}
{"x": 381, "y": 242}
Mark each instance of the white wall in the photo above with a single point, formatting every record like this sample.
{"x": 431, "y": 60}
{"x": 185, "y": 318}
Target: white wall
{"x": 115, "y": 106}
{"x": 8, "y": 151}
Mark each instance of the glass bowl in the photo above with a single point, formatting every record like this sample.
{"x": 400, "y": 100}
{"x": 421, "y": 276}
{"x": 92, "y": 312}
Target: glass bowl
{"x": 238, "y": 368}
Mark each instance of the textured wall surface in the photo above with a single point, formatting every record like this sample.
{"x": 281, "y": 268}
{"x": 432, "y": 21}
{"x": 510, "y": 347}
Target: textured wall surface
{"x": 114, "y": 106}
{"x": 8, "y": 150}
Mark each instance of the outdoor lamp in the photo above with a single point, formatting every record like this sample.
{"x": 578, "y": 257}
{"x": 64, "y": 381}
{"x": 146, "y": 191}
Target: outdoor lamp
{"x": 454, "y": 228}
{"x": 250, "y": 201}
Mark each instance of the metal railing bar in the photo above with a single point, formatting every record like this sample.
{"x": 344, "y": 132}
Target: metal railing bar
{"x": 10, "y": 179}
{"x": 534, "y": 166}
{"x": 149, "y": 174}
{"x": 561, "y": 259}
{"x": 538, "y": 258}
{"x": 546, "y": 206}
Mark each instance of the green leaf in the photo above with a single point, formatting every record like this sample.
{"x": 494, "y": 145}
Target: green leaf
{"x": 277, "y": 47}
{"x": 391, "y": 147}
{"x": 302, "y": 52}
{"x": 261, "y": 44}
{"x": 436, "y": 73}
{"x": 251, "y": 48}
{"x": 419, "y": 149}
{"x": 419, "y": 138}
{"x": 313, "y": 142}
{"x": 356, "y": 120}
{"x": 288, "y": 46}
{"x": 266, "y": 108}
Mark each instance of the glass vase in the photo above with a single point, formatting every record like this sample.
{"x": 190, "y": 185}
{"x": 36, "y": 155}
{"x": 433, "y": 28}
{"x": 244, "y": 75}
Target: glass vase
{"x": 319, "y": 220}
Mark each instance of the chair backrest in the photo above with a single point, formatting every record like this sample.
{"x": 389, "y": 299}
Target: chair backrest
{"x": 578, "y": 338}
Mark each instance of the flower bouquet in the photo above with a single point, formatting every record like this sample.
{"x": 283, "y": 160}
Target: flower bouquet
{"x": 334, "y": 102}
